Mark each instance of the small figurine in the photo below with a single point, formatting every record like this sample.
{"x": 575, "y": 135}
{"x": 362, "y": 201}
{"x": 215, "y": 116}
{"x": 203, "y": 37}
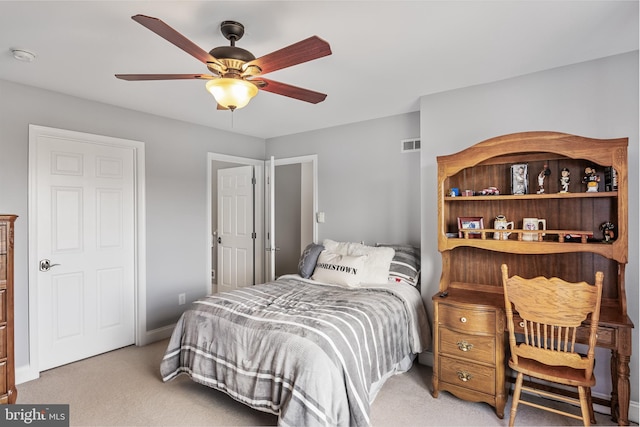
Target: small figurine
{"x": 519, "y": 180}
{"x": 608, "y": 233}
{"x": 592, "y": 179}
{"x": 565, "y": 179}
{"x": 545, "y": 172}
{"x": 490, "y": 191}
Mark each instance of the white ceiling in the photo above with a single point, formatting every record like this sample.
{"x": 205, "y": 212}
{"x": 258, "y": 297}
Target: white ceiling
{"x": 386, "y": 54}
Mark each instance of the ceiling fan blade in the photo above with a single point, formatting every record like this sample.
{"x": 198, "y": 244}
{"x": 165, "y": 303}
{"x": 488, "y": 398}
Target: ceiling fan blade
{"x": 306, "y": 50}
{"x": 166, "y": 32}
{"x": 289, "y": 90}
{"x": 136, "y": 77}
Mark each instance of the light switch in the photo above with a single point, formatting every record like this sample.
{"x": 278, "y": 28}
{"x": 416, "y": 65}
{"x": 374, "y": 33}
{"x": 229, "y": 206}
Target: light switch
{"x": 320, "y": 217}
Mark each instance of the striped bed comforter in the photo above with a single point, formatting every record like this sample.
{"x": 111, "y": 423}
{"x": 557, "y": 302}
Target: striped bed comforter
{"x": 311, "y": 353}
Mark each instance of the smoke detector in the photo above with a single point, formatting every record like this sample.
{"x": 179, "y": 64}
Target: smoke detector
{"x": 23, "y": 55}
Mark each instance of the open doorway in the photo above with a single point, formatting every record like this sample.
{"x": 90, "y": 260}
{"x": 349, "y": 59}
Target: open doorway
{"x": 302, "y": 175}
{"x": 294, "y": 208}
{"x": 291, "y": 203}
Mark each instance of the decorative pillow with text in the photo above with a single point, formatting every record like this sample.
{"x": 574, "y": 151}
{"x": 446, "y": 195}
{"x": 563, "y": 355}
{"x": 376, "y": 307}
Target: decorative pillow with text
{"x": 339, "y": 269}
{"x": 376, "y": 267}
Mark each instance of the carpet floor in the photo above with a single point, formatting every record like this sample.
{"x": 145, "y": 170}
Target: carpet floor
{"x": 123, "y": 388}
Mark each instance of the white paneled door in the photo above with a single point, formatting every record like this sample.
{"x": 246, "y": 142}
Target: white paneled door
{"x": 236, "y": 228}
{"x": 86, "y": 247}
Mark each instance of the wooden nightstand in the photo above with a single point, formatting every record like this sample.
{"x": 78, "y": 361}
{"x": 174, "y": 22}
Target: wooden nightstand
{"x": 469, "y": 350}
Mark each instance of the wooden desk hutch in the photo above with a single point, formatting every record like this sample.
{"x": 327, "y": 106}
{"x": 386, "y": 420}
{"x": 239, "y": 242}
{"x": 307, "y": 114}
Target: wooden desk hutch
{"x": 469, "y": 322}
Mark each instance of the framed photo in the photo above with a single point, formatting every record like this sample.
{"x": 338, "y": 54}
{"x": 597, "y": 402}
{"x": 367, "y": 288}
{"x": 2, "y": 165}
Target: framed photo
{"x": 519, "y": 179}
{"x": 471, "y": 223}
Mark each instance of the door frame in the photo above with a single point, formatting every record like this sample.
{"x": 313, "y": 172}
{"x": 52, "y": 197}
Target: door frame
{"x": 258, "y": 209}
{"x": 261, "y": 228}
{"x": 32, "y": 371}
{"x": 308, "y": 216}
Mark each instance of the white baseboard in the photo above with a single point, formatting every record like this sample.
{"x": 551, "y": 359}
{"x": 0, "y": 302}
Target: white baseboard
{"x": 634, "y": 411}
{"x": 633, "y": 407}
{"x": 25, "y": 374}
{"x": 156, "y": 335}
{"x": 426, "y": 358}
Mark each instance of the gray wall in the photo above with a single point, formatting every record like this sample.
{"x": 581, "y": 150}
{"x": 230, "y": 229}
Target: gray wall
{"x": 176, "y": 185}
{"x": 368, "y": 189}
{"x": 597, "y": 99}
{"x": 287, "y": 207}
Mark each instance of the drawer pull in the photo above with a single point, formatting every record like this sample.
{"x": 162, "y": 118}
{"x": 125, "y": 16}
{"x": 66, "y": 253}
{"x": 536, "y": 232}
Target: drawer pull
{"x": 463, "y": 319}
{"x": 521, "y": 324}
{"x": 464, "y": 376}
{"x": 464, "y": 346}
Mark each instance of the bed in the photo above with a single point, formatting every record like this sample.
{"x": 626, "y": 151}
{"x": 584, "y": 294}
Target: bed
{"x": 312, "y": 350}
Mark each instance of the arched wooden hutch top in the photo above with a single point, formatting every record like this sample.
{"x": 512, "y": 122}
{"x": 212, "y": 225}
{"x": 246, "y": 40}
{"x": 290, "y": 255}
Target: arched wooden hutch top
{"x": 471, "y": 263}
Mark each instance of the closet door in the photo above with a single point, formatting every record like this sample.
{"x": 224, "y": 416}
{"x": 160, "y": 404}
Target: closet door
{"x": 236, "y": 235}
{"x": 85, "y": 240}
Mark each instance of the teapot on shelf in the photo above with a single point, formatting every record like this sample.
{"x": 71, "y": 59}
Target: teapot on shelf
{"x": 501, "y": 223}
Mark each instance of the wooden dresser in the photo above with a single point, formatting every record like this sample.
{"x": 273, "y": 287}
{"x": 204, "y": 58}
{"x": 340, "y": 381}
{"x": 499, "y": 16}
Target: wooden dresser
{"x": 575, "y": 244}
{"x": 8, "y": 393}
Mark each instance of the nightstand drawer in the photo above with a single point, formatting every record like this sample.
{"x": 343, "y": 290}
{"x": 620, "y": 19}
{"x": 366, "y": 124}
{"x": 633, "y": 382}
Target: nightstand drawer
{"x": 469, "y": 375}
{"x": 472, "y": 347}
{"x": 3, "y": 377}
{"x": 3, "y": 305}
{"x": 3, "y": 342}
{"x": 468, "y": 320}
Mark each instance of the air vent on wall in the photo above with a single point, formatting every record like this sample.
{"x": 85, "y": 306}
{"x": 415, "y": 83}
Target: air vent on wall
{"x": 410, "y": 145}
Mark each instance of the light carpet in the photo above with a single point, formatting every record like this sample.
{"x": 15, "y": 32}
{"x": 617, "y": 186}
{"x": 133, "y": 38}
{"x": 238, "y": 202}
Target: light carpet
{"x": 124, "y": 388}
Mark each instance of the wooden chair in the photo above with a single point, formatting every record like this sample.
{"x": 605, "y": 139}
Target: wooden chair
{"x": 551, "y": 311}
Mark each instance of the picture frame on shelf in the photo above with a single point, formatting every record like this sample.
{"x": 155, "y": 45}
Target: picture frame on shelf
{"x": 520, "y": 178}
{"x": 470, "y": 222}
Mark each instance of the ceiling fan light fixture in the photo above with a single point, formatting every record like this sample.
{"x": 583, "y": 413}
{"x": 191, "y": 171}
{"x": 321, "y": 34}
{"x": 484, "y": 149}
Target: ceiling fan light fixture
{"x": 231, "y": 93}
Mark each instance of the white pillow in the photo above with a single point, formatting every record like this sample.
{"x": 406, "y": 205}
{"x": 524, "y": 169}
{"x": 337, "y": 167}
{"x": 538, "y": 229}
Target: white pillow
{"x": 339, "y": 269}
{"x": 376, "y": 266}
{"x": 341, "y": 248}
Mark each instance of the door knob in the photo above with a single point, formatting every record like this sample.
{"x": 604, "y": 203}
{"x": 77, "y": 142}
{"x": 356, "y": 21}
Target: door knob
{"x": 45, "y": 265}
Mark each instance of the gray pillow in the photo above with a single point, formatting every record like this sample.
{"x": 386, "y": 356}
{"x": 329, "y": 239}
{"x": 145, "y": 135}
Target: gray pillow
{"x": 308, "y": 259}
{"x": 405, "y": 265}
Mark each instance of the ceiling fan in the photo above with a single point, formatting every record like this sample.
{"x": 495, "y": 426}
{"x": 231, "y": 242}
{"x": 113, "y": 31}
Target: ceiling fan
{"x": 237, "y": 73}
